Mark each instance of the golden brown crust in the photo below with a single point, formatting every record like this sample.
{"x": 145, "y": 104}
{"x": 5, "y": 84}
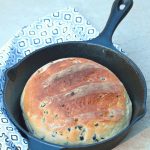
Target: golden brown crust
{"x": 75, "y": 101}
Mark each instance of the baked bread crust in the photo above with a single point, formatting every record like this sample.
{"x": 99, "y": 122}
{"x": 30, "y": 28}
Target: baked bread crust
{"x": 75, "y": 101}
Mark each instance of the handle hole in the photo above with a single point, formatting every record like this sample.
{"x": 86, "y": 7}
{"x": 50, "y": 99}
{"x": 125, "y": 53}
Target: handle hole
{"x": 122, "y": 6}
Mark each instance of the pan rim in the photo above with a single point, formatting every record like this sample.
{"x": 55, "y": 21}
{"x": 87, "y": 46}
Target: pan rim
{"x": 124, "y": 57}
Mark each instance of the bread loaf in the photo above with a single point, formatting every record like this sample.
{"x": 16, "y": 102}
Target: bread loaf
{"x": 75, "y": 101}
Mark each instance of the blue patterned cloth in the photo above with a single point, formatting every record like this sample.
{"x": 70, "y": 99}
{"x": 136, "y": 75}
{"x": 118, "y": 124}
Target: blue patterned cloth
{"x": 64, "y": 25}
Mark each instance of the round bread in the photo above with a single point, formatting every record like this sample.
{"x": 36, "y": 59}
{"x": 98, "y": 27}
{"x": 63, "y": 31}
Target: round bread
{"x": 75, "y": 101}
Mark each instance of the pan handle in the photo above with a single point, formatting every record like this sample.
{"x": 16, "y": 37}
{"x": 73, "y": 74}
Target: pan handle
{"x": 119, "y": 10}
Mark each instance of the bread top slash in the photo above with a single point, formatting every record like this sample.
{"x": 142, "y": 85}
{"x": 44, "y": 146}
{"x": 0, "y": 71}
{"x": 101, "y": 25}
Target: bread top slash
{"x": 71, "y": 93}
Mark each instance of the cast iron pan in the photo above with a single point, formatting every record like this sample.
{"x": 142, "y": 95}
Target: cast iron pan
{"x": 100, "y": 50}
